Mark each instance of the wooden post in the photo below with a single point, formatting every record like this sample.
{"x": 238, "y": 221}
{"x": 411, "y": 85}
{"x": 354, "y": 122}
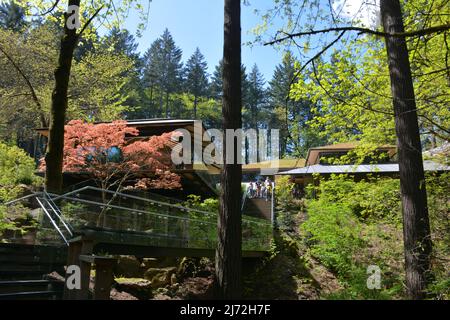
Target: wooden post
{"x": 78, "y": 247}
{"x": 72, "y": 259}
{"x": 103, "y": 278}
{"x": 86, "y": 249}
{"x": 103, "y": 275}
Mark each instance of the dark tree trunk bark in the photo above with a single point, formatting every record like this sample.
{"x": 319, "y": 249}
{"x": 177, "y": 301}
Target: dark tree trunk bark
{"x": 167, "y": 104}
{"x": 151, "y": 101}
{"x": 416, "y": 228}
{"x": 55, "y": 147}
{"x": 195, "y": 107}
{"x": 229, "y": 248}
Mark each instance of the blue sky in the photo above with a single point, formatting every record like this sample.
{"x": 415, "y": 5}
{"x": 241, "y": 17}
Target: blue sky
{"x": 199, "y": 23}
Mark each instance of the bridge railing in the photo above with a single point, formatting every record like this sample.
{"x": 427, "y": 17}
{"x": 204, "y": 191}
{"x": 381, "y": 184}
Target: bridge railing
{"x": 162, "y": 224}
{"x": 165, "y": 224}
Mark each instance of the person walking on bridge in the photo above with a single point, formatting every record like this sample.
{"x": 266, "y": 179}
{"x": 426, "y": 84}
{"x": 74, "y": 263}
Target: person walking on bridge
{"x": 269, "y": 188}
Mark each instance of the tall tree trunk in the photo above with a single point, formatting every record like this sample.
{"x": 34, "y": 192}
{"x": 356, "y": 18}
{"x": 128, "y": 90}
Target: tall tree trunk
{"x": 161, "y": 105}
{"x": 195, "y": 106}
{"x": 55, "y": 146}
{"x": 148, "y": 115}
{"x": 229, "y": 248}
{"x": 416, "y": 228}
{"x": 167, "y": 104}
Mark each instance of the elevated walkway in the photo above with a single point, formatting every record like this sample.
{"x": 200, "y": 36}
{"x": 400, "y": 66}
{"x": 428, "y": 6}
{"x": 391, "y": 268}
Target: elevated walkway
{"x": 91, "y": 224}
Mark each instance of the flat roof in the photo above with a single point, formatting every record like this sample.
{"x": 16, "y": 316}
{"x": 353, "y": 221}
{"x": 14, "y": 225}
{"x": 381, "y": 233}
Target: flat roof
{"x": 142, "y": 122}
{"x": 280, "y": 164}
{"x": 313, "y": 153}
{"x": 362, "y": 168}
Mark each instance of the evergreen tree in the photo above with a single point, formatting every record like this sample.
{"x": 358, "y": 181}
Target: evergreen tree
{"x": 163, "y": 71}
{"x": 287, "y": 114}
{"x": 255, "y": 98}
{"x": 215, "y": 88}
{"x": 152, "y": 86}
{"x": 196, "y": 77}
{"x": 123, "y": 42}
{"x": 279, "y": 88}
{"x": 12, "y": 16}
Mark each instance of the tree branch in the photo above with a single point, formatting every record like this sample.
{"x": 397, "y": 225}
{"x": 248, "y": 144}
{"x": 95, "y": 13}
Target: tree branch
{"x": 422, "y": 32}
{"x": 89, "y": 21}
{"x": 51, "y": 9}
{"x": 324, "y": 49}
{"x": 30, "y": 86}
{"x": 434, "y": 123}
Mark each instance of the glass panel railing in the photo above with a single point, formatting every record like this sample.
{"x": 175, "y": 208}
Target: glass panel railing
{"x": 163, "y": 224}
{"x": 32, "y": 220}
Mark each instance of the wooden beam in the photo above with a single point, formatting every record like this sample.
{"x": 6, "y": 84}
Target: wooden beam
{"x": 103, "y": 274}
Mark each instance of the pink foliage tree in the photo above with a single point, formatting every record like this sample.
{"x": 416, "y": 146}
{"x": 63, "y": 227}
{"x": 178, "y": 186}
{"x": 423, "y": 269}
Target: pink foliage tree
{"x": 103, "y": 151}
{"x": 109, "y": 155}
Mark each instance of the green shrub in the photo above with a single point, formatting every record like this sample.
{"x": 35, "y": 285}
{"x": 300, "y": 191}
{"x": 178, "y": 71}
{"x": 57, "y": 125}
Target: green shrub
{"x": 287, "y": 207}
{"x": 195, "y": 202}
{"x": 372, "y": 199}
{"x": 438, "y": 190}
{"x": 16, "y": 168}
{"x": 283, "y": 190}
{"x": 355, "y": 224}
{"x": 333, "y": 234}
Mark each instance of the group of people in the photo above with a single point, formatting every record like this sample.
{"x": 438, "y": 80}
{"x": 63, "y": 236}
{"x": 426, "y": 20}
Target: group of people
{"x": 260, "y": 189}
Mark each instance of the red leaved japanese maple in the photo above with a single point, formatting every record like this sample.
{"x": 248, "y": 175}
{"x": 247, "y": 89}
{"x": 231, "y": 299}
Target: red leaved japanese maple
{"x": 105, "y": 152}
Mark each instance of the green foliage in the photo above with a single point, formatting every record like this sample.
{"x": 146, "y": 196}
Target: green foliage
{"x": 352, "y": 85}
{"x": 5, "y": 223}
{"x": 368, "y": 199}
{"x": 283, "y": 190}
{"x": 438, "y": 186}
{"x": 352, "y": 225}
{"x": 347, "y": 245}
{"x": 286, "y": 206}
{"x": 255, "y": 100}
{"x": 16, "y": 168}
{"x": 289, "y": 113}
{"x": 334, "y": 234}
{"x": 208, "y": 205}
{"x": 196, "y": 75}
{"x": 162, "y": 76}
{"x": 12, "y": 16}
{"x": 256, "y": 233}
{"x": 202, "y": 231}
{"x": 98, "y": 88}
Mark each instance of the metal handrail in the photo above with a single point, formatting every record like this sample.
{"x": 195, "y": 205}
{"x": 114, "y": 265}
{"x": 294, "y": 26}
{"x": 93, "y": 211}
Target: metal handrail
{"x": 51, "y": 202}
{"x": 151, "y": 212}
{"x": 52, "y": 221}
{"x": 57, "y": 197}
{"x": 46, "y": 202}
{"x": 58, "y": 213}
{"x": 182, "y": 208}
{"x": 133, "y": 210}
{"x": 35, "y": 194}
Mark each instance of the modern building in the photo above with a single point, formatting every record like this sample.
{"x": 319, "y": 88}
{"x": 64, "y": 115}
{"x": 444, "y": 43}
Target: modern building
{"x": 198, "y": 177}
{"x": 319, "y": 161}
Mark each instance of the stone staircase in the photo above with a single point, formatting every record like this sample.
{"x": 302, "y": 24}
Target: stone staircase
{"x": 24, "y": 272}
